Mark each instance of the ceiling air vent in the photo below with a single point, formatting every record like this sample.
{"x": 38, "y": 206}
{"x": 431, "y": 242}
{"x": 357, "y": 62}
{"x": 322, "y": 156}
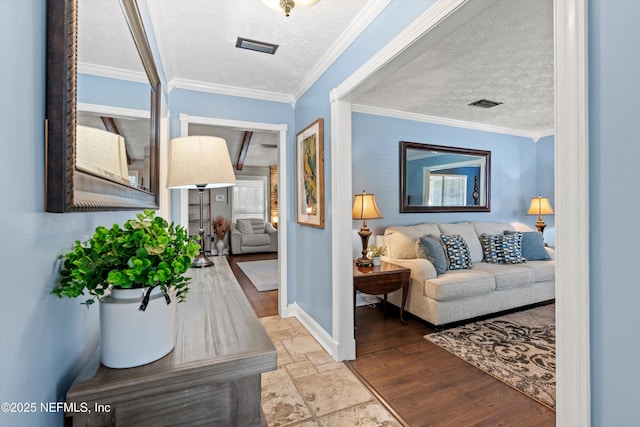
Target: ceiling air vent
{"x": 256, "y": 45}
{"x": 485, "y": 103}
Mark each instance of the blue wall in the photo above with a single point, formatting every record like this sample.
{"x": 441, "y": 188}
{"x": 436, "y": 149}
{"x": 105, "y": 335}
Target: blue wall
{"x": 376, "y": 159}
{"x": 44, "y": 339}
{"x": 313, "y": 245}
{"x": 614, "y": 89}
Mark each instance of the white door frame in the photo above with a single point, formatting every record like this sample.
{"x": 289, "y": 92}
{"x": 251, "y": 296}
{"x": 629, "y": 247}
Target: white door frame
{"x": 185, "y": 120}
{"x": 571, "y": 189}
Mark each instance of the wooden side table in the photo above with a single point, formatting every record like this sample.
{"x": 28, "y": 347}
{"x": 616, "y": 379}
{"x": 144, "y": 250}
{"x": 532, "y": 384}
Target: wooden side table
{"x": 381, "y": 279}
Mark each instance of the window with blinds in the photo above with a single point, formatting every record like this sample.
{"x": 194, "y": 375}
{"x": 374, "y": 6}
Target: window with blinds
{"x": 249, "y": 198}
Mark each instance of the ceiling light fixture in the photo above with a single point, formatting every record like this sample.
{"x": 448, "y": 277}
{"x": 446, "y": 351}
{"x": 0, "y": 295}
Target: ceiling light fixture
{"x": 485, "y": 103}
{"x": 288, "y": 5}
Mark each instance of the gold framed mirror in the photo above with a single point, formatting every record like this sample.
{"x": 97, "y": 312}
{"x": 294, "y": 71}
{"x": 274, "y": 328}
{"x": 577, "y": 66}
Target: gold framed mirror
{"x": 74, "y": 183}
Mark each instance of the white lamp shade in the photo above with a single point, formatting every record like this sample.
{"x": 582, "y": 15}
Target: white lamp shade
{"x": 199, "y": 161}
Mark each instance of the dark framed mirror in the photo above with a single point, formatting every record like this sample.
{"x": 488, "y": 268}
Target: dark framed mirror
{"x": 76, "y": 179}
{"x": 435, "y": 178}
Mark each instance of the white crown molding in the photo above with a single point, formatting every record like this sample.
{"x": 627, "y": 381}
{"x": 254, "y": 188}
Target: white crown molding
{"x": 387, "y": 112}
{"x": 112, "y": 111}
{"x": 230, "y": 90}
{"x": 112, "y": 73}
{"x": 360, "y": 23}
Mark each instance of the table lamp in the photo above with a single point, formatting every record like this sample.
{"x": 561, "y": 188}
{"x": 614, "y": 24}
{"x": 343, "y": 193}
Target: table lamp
{"x": 364, "y": 208}
{"x": 540, "y": 206}
{"x": 200, "y": 162}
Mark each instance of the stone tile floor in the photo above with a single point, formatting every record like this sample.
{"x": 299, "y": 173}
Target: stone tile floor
{"x": 309, "y": 388}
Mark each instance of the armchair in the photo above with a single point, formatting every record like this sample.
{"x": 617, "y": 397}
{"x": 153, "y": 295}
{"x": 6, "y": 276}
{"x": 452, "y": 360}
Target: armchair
{"x": 253, "y": 235}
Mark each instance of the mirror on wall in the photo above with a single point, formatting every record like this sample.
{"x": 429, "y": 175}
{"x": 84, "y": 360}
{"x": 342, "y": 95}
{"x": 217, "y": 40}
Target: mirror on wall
{"x": 102, "y": 119}
{"x": 435, "y": 178}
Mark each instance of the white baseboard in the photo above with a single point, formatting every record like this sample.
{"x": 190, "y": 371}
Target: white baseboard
{"x": 323, "y": 338}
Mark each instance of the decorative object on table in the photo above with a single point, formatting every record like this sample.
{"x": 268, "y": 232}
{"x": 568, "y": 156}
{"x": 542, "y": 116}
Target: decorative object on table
{"x": 518, "y": 349}
{"x": 200, "y": 162}
{"x": 364, "y": 208}
{"x": 137, "y": 273}
{"x": 221, "y": 226}
{"x": 287, "y": 5}
{"x": 540, "y": 206}
{"x": 375, "y": 252}
{"x": 310, "y": 175}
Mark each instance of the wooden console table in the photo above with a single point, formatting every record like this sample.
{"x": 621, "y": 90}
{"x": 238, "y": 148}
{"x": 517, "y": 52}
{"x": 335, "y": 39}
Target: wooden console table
{"x": 212, "y": 377}
{"x": 381, "y": 279}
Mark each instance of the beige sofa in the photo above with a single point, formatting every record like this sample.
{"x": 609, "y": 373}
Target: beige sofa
{"x": 458, "y": 295}
{"x": 253, "y": 235}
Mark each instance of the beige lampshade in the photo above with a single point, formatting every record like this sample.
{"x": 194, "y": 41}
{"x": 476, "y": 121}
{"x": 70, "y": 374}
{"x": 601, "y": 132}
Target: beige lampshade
{"x": 364, "y": 207}
{"x": 540, "y": 206}
{"x": 199, "y": 160}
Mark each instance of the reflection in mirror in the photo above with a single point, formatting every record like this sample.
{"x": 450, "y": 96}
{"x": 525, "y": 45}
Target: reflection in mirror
{"x": 98, "y": 54}
{"x": 436, "y": 178}
{"x": 114, "y": 143}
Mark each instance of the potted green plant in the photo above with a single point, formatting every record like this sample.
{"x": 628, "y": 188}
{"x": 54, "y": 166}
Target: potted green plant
{"x": 375, "y": 252}
{"x": 137, "y": 272}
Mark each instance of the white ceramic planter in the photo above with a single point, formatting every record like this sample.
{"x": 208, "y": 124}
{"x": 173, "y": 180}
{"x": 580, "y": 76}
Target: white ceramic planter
{"x": 130, "y": 337}
{"x": 376, "y": 260}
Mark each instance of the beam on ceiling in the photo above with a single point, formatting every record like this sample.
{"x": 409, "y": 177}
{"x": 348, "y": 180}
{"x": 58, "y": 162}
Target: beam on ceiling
{"x": 246, "y": 140}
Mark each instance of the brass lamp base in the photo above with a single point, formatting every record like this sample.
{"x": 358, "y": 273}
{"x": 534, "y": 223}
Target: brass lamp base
{"x": 364, "y": 262}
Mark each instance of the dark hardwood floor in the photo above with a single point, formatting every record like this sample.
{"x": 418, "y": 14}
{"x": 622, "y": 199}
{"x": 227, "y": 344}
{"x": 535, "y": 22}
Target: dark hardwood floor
{"x": 422, "y": 384}
{"x": 264, "y": 303}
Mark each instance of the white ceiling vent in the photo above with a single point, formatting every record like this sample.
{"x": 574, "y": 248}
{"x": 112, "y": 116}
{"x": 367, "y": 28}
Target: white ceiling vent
{"x": 256, "y": 45}
{"x": 485, "y": 103}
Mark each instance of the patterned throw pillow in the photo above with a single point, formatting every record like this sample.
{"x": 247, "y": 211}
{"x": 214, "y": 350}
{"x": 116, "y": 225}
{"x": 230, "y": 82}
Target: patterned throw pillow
{"x": 457, "y": 252}
{"x": 503, "y": 249}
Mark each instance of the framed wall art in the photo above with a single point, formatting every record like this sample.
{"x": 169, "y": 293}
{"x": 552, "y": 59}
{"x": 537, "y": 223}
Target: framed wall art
{"x": 310, "y": 175}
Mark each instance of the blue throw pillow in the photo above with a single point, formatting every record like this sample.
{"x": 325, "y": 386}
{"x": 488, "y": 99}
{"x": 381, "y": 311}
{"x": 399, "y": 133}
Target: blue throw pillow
{"x": 457, "y": 251}
{"x": 430, "y": 248}
{"x": 532, "y": 246}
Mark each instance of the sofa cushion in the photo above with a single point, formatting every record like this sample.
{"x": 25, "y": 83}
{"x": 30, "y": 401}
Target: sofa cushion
{"x": 459, "y": 284}
{"x": 401, "y": 240}
{"x": 245, "y": 226}
{"x": 457, "y": 252}
{"x": 430, "y": 247}
{"x": 543, "y": 270}
{"x": 503, "y": 248}
{"x": 251, "y": 240}
{"x": 508, "y": 276}
{"x": 533, "y": 248}
{"x": 466, "y": 231}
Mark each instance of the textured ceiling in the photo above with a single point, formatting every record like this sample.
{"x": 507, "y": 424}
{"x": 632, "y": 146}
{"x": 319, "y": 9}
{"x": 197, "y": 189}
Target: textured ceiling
{"x": 504, "y": 53}
{"x": 198, "y": 38}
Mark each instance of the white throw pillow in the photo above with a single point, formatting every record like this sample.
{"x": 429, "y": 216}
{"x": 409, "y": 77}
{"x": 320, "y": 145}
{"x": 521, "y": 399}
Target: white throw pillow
{"x": 244, "y": 226}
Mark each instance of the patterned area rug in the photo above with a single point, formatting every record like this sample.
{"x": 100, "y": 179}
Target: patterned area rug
{"x": 518, "y": 349}
{"x": 263, "y": 274}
